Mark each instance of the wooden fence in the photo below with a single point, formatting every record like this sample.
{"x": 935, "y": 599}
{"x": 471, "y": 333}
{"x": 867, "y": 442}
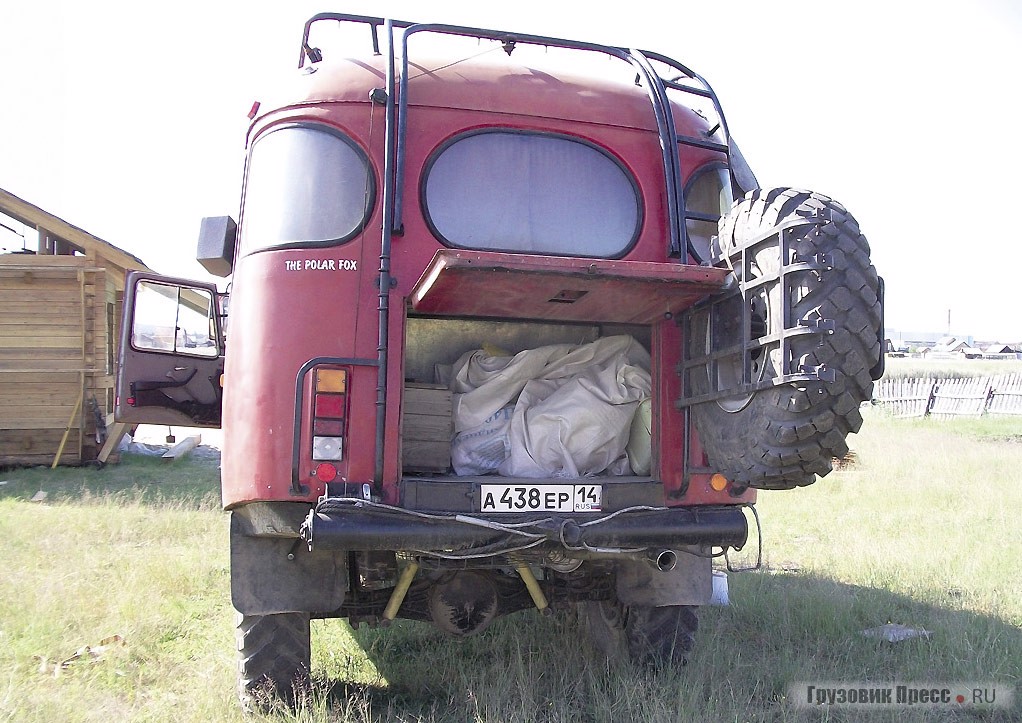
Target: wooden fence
{"x": 1001, "y": 394}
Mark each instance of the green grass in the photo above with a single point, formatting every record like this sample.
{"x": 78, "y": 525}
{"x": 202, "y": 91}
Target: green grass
{"x": 137, "y": 551}
{"x": 923, "y": 530}
{"x": 142, "y": 478}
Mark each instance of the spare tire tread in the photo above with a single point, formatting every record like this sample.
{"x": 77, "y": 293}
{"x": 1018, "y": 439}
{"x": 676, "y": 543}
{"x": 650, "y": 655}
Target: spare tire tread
{"x": 789, "y": 434}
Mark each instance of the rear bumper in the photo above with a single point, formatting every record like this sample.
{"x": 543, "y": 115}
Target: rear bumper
{"x": 351, "y": 524}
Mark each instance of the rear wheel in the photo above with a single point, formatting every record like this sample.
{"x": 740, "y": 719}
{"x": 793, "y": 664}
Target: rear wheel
{"x": 645, "y": 635}
{"x": 274, "y": 654}
{"x": 783, "y": 436}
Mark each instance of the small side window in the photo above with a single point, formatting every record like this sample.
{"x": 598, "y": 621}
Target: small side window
{"x": 707, "y": 198}
{"x": 173, "y": 319}
{"x": 531, "y": 193}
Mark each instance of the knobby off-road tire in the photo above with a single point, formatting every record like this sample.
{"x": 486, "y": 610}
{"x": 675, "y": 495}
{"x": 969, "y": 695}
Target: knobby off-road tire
{"x": 653, "y": 636}
{"x": 784, "y": 436}
{"x": 274, "y": 654}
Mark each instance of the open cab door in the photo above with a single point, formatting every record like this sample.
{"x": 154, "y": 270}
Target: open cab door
{"x": 171, "y": 353}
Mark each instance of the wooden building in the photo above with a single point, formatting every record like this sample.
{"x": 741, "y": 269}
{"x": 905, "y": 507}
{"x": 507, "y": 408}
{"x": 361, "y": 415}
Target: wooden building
{"x": 60, "y": 313}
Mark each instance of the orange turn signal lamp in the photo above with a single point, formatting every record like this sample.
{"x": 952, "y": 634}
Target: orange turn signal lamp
{"x": 331, "y": 380}
{"x": 719, "y": 482}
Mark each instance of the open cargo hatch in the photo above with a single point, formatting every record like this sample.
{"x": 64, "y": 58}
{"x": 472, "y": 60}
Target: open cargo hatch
{"x": 500, "y": 285}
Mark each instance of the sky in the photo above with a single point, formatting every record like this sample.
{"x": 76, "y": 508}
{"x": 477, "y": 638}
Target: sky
{"x": 128, "y": 119}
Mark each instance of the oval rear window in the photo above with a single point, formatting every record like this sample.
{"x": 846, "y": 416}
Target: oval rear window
{"x": 531, "y": 193}
{"x": 306, "y": 186}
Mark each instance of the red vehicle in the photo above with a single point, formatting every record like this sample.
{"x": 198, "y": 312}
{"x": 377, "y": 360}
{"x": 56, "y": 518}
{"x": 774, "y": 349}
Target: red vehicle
{"x": 501, "y": 338}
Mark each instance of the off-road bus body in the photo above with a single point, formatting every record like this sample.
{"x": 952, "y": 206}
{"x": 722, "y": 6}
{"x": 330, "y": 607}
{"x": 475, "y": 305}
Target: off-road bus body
{"x": 476, "y": 301}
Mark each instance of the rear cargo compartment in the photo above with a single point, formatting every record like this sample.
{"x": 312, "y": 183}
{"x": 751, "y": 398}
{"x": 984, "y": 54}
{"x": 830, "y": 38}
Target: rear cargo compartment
{"x": 519, "y": 399}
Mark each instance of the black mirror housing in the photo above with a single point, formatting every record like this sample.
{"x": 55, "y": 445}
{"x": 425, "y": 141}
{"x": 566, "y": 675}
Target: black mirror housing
{"x": 215, "y": 250}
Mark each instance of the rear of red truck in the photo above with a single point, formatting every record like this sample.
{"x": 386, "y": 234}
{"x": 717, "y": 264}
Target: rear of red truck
{"x": 482, "y": 328}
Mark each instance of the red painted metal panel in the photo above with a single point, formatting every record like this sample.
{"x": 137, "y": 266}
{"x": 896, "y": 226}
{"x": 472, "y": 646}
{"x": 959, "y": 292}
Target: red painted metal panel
{"x": 284, "y": 314}
{"x": 483, "y": 283}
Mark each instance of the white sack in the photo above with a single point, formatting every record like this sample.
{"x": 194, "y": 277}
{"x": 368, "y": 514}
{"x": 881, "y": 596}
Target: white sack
{"x": 639, "y": 450}
{"x": 572, "y": 409}
{"x": 482, "y": 384}
{"x": 576, "y": 427}
{"x": 481, "y": 449}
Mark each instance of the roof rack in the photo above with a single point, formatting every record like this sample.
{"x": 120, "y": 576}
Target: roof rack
{"x": 649, "y": 66}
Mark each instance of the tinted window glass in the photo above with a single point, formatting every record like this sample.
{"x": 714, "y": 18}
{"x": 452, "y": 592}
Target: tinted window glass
{"x": 708, "y": 194}
{"x": 305, "y": 186}
{"x": 531, "y": 193}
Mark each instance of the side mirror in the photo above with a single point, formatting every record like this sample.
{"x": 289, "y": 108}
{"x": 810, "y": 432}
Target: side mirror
{"x": 215, "y": 250}
{"x": 743, "y": 174}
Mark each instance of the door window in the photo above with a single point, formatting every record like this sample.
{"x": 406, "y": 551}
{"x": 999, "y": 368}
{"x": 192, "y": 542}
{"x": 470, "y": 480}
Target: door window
{"x": 173, "y": 319}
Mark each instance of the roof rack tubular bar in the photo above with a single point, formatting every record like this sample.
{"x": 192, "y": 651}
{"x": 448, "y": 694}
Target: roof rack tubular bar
{"x": 706, "y": 91}
{"x": 656, "y": 86}
{"x": 374, "y": 23}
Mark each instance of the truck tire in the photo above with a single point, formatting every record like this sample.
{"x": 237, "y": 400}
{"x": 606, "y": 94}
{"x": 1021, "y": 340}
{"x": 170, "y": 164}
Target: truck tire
{"x": 645, "y": 635}
{"x": 274, "y": 656}
{"x": 784, "y": 436}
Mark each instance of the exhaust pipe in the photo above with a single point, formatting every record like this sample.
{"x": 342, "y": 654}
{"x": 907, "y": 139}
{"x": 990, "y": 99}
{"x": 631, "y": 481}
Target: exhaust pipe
{"x": 664, "y": 561}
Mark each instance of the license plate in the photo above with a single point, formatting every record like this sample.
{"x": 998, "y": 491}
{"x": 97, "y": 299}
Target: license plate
{"x": 541, "y": 498}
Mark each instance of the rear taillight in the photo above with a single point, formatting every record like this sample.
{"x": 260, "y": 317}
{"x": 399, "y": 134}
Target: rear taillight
{"x": 326, "y": 472}
{"x": 329, "y": 412}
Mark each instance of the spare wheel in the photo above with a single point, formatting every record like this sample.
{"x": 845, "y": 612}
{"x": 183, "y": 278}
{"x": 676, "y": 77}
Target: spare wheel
{"x": 809, "y": 337}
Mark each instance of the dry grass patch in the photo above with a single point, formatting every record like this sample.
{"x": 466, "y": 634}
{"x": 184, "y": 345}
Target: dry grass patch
{"x": 922, "y": 530}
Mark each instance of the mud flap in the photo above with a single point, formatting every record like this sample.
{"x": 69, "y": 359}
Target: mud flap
{"x": 271, "y": 575}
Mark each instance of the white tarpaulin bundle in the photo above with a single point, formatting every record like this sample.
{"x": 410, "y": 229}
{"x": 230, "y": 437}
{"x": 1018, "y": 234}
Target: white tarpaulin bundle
{"x": 556, "y": 411}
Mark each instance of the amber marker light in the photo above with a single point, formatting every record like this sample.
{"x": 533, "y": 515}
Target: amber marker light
{"x": 331, "y": 380}
{"x": 718, "y": 482}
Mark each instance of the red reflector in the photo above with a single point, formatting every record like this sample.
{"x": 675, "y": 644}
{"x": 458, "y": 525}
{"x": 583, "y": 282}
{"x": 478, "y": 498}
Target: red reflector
{"x": 326, "y": 472}
{"x": 328, "y": 427}
{"x": 330, "y": 405}
{"x": 131, "y": 401}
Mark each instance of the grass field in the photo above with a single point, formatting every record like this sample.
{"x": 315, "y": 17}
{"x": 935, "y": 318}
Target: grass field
{"x": 923, "y": 531}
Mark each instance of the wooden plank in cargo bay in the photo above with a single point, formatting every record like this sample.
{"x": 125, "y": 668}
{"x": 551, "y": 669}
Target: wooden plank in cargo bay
{"x": 427, "y": 427}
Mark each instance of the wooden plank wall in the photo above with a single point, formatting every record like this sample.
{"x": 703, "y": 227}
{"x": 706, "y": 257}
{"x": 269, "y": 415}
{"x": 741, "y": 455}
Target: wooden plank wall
{"x": 54, "y": 357}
